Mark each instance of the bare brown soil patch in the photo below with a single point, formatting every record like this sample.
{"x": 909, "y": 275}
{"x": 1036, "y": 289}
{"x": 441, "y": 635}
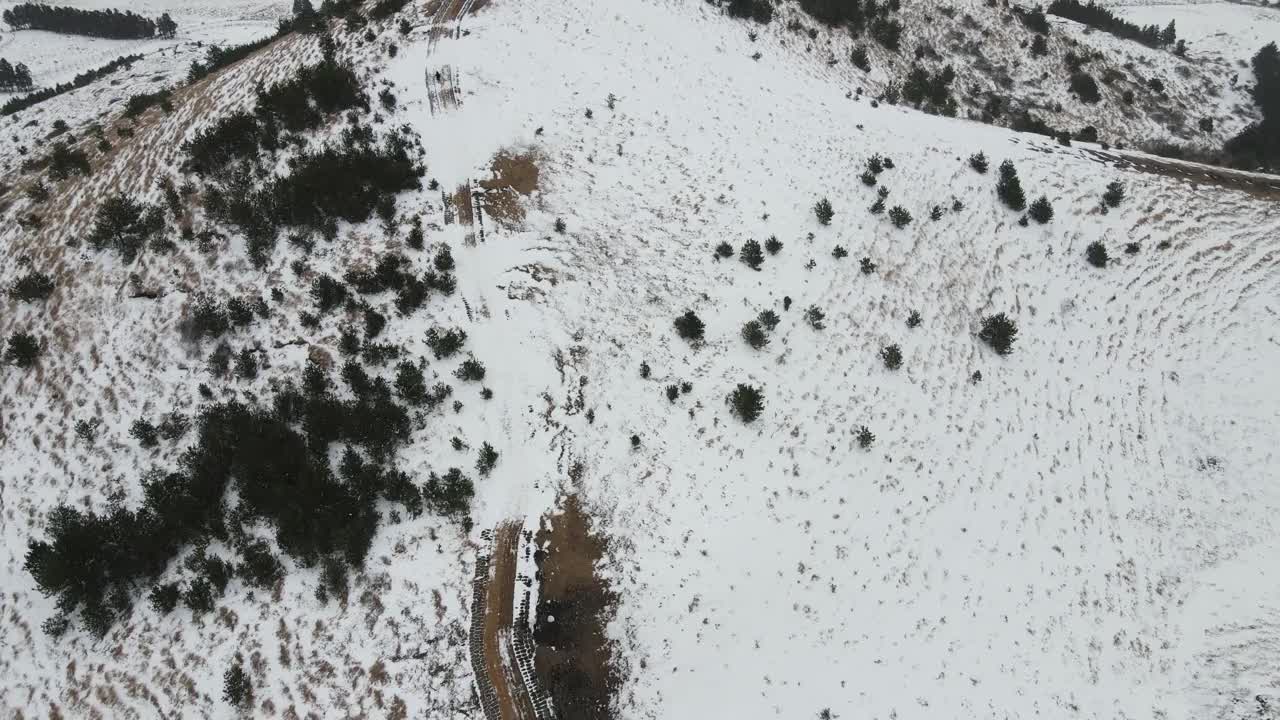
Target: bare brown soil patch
{"x": 499, "y": 657}
{"x": 573, "y": 658}
{"x": 514, "y": 174}
{"x": 465, "y": 213}
{"x": 1265, "y": 187}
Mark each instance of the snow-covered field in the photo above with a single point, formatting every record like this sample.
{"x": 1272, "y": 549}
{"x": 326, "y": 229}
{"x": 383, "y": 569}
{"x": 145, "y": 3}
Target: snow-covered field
{"x": 1234, "y": 31}
{"x": 1087, "y": 532}
{"x": 55, "y": 58}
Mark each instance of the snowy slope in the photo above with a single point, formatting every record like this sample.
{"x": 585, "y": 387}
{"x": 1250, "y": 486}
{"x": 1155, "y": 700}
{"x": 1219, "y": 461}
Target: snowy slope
{"x": 1078, "y": 535}
{"x": 1232, "y": 30}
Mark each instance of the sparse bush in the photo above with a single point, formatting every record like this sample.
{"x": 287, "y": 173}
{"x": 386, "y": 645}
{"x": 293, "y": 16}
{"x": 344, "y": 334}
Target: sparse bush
{"x": 839, "y": 253}
{"x": 866, "y": 266}
{"x": 899, "y": 216}
{"x": 673, "y": 392}
{"x": 892, "y": 356}
{"x": 999, "y": 332}
{"x": 978, "y": 161}
{"x": 724, "y": 251}
{"x": 1096, "y": 254}
{"x": 645, "y": 370}
{"x": 690, "y": 327}
{"x": 1041, "y": 211}
{"x": 865, "y": 437}
{"x": 815, "y": 317}
{"x": 773, "y": 245}
{"x": 471, "y": 370}
{"x": 747, "y": 402}
{"x": 824, "y": 211}
{"x": 445, "y": 343}
{"x": 769, "y": 319}
{"x": 913, "y": 320}
{"x": 860, "y": 58}
{"x": 560, "y": 225}
{"x": 1114, "y": 194}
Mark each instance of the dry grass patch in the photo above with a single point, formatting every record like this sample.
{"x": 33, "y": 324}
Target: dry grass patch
{"x": 514, "y": 174}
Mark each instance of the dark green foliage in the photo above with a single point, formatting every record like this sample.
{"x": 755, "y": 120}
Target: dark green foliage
{"x": 449, "y": 495}
{"x": 1033, "y": 19}
{"x": 445, "y": 343}
{"x": 815, "y": 317}
{"x": 754, "y": 334}
{"x": 645, "y": 370}
{"x": 724, "y": 251}
{"x": 824, "y": 211}
{"x": 112, "y": 23}
{"x": 22, "y": 350}
{"x": 864, "y": 437}
{"x": 673, "y": 392}
{"x": 860, "y": 58}
{"x": 247, "y": 365}
{"x": 1114, "y": 194}
{"x": 198, "y": 597}
{"x": 1041, "y": 211}
{"x": 1096, "y": 254}
{"x": 892, "y": 356}
{"x": 769, "y": 319}
{"x": 416, "y": 237}
{"x": 751, "y": 254}
{"x": 747, "y": 402}
{"x": 933, "y": 91}
{"x": 999, "y": 332}
{"x": 887, "y": 32}
{"x": 773, "y": 245}
{"x": 236, "y": 688}
{"x": 124, "y": 225}
{"x": 140, "y": 103}
{"x": 164, "y": 598}
{"x": 1009, "y": 187}
{"x": 207, "y": 319}
{"x": 327, "y": 293}
{"x": 487, "y": 459}
{"x": 690, "y": 327}
{"x": 866, "y": 266}
{"x": 410, "y": 383}
{"x": 260, "y": 568}
{"x": 978, "y": 161}
{"x": 913, "y": 320}
{"x": 1097, "y": 16}
{"x": 759, "y": 10}
{"x": 65, "y": 160}
{"x": 31, "y": 287}
{"x": 635, "y": 441}
{"x": 147, "y": 435}
{"x": 444, "y": 259}
{"x": 1039, "y": 46}
{"x": 899, "y": 216}
{"x": 471, "y": 370}
{"x": 1085, "y": 87}
{"x": 560, "y": 226}
{"x": 868, "y": 178}
{"x": 839, "y": 252}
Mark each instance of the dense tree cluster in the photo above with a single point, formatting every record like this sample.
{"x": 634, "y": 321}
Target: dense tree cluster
{"x": 14, "y": 77}
{"x": 277, "y": 461}
{"x": 759, "y": 10}
{"x": 22, "y": 103}
{"x": 94, "y": 23}
{"x": 932, "y": 91}
{"x": 1101, "y": 18}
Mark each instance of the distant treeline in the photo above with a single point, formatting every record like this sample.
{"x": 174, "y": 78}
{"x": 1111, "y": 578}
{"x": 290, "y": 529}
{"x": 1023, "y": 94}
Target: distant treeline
{"x": 1096, "y": 16}
{"x": 95, "y": 23}
{"x": 22, "y": 103}
{"x": 14, "y": 77}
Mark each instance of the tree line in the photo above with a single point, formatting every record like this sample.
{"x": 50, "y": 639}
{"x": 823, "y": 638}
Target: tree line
{"x": 1096, "y": 16}
{"x": 1258, "y": 145}
{"x": 19, "y": 104}
{"x": 94, "y": 23}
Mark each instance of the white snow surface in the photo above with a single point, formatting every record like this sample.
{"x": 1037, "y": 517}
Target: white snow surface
{"x": 1232, "y": 30}
{"x": 1087, "y": 532}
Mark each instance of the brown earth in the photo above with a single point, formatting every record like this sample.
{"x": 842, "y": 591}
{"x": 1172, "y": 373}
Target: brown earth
{"x": 573, "y": 657}
{"x": 499, "y": 655}
{"x": 514, "y": 174}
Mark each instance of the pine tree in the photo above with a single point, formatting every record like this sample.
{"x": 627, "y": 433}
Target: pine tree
{"x": 978, "y": 161}
{"x": 1041, "y": 211}
{"x": 824, "y": 211}
{"x": 815, "y": 317}
{"x": 1039, "y": 46}
{"x": 751, "y": 254}
{"x": 22, "y": 350}
{"x": 753, "y": 332}
{"x": 236, "y": 688}
{"x": 865, "y": 437}
{"x": 31, "y": 287}
{"x": 1114, "y": 194}
{"x": 747, "y": 402}
{"x": 690, "y": 327}
{"x": 892, "y": 356}
{"x": 487, "y": 460}
{"x": 1096, "y": 254}
{"x": 999, "y": 332}
{"x": 899, "y": 216}
{"x": 773, "y": 245}
{"x": 1009, "y": 188}
{"x": 1169, "y": 35}
{"x": 166, "y": 27}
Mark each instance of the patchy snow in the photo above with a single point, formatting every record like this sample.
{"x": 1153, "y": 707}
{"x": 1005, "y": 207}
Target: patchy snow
{"x": 1078, "y": 535}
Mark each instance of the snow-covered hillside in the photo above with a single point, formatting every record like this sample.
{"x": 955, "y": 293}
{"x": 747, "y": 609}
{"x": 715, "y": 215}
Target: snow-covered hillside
{"x": 1085, "y": 530}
